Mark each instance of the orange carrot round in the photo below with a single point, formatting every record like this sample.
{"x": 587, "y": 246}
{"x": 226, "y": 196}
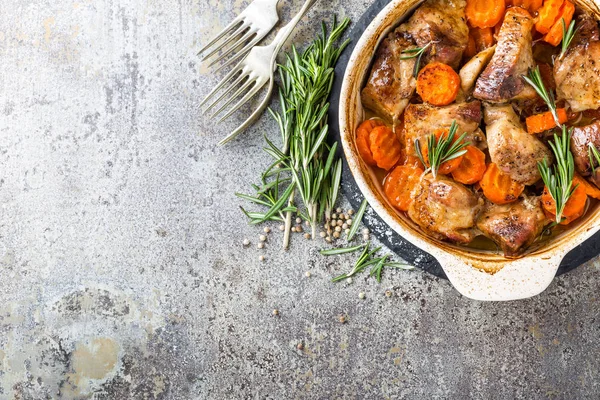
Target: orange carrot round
{"x": 484, "y": 13}
{"x": 544, "y": 121}
{"x": 471, "y": 168}
{"x": 385, "y": 147}
{"x": 590, "y": 190}
{"x": 498, "y": 187}
{"x": 399, "y": 184}
{"x": 438, "y": 84}
{"x": 363, "y": 142}
{"x": 547, "y": 15}
{"x": 574, "y": 208}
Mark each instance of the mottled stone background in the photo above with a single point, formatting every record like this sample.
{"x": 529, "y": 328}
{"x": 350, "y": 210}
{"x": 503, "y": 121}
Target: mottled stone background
{"x": 122, "y": 273}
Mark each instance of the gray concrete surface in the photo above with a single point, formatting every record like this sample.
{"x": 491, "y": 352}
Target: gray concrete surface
{"x": 122, "y": 273}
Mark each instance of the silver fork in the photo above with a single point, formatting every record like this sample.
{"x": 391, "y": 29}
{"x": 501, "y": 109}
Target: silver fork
{"x": 251, "y": 74}
{"x": 251, "y": 25}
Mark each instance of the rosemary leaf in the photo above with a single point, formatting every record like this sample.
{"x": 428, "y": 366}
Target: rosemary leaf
{"x": 594, "y": 156}
{"x": 534, "y": 78}
{"x": 343, "y": 250}
{"x": 567, "y": 37}
{"x": 415, "y": 53}
{"x": 357, "y": 219}
{"x": 441, "y": 150}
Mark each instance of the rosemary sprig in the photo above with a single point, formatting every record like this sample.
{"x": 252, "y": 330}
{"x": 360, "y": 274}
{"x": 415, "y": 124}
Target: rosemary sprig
{"x": 417, "y": 53}
{"x": 365, "y": 260}
{"x": 567, "y": 38}
{"x": 357, "y": 219}
{"x": 305, "y": 165}
{"x": 343, "y": 250}
{"x": 559, "y": 178}
{"x": 594, "y": 157}
{"x": 535, "y": 80}
{"x": 442, "y": 150}
{"x": 307, "y": 80}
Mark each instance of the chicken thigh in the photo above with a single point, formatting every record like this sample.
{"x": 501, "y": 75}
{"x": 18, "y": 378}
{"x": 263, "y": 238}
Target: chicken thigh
{"x": 515, "y": 151}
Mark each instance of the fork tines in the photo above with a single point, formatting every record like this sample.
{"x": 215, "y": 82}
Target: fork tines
{"x": 243, "y": 33}
{"x": 240, "y": 81}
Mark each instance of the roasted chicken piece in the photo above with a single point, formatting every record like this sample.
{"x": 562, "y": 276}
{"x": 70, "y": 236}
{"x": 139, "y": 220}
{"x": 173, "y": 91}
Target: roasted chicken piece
{"x": 421, "y": 120}
{"x": 441, "y": 23}
{"x": 513, "y": 226}
{"x": 581, "y": 139}
{"x": 515, "y": 151}
{"x": 391, "y": 83}
{"x": 577, "y": 74}
{"x": 502, "y": 80}
{"x": 445, "y": 209}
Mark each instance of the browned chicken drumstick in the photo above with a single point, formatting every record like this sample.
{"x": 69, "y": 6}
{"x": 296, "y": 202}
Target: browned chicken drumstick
{"x": 445, "y": 209}
{"x": 502, "y": 80}
{"x": 515, "y": 151}
{"x": 513, "y": 226}
{"x": 577, "y": 73}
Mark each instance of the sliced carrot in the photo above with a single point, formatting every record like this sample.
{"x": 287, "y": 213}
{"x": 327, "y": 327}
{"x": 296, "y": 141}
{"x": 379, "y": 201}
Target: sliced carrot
{"x": 438, "y": 84}
{"x": 574, "y": 208}
{"x": 544, "y": 121}
{"x": 471, "y": 168}
{"x": 484, "y": 38}
{"x": 448, "y": 166}
{"x": 363, "y": 143}
{"x": 529, "y": 5}
{"x": 484, "y": 13}
{"x": 471, "y": 49}
{"x": 399, "y": 184}
{"x": 590, "y": 189}
{"x": 548, "y": 14}
{"x": 555, "y": 34}
{"x": 385, "y": 147}
{"x": 498, "y": 187}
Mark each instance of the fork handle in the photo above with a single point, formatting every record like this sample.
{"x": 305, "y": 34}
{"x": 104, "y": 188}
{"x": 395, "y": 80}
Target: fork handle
{"x": 285, "y": 32}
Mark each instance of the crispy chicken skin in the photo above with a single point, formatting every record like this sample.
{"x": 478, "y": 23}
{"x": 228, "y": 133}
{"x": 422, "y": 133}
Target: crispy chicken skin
{"x": 513, "y": 226}
{"x": 515, "y": 151}
{"x": 581, "y": 139}
{"x": 391, "y": 83}
{"x": 443, "y": 24}
{"x": 445, "y": 209}
{"x": 577, "y": 74}
{"x": 421, "y": 120}
{"x": 502, "y": 80}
